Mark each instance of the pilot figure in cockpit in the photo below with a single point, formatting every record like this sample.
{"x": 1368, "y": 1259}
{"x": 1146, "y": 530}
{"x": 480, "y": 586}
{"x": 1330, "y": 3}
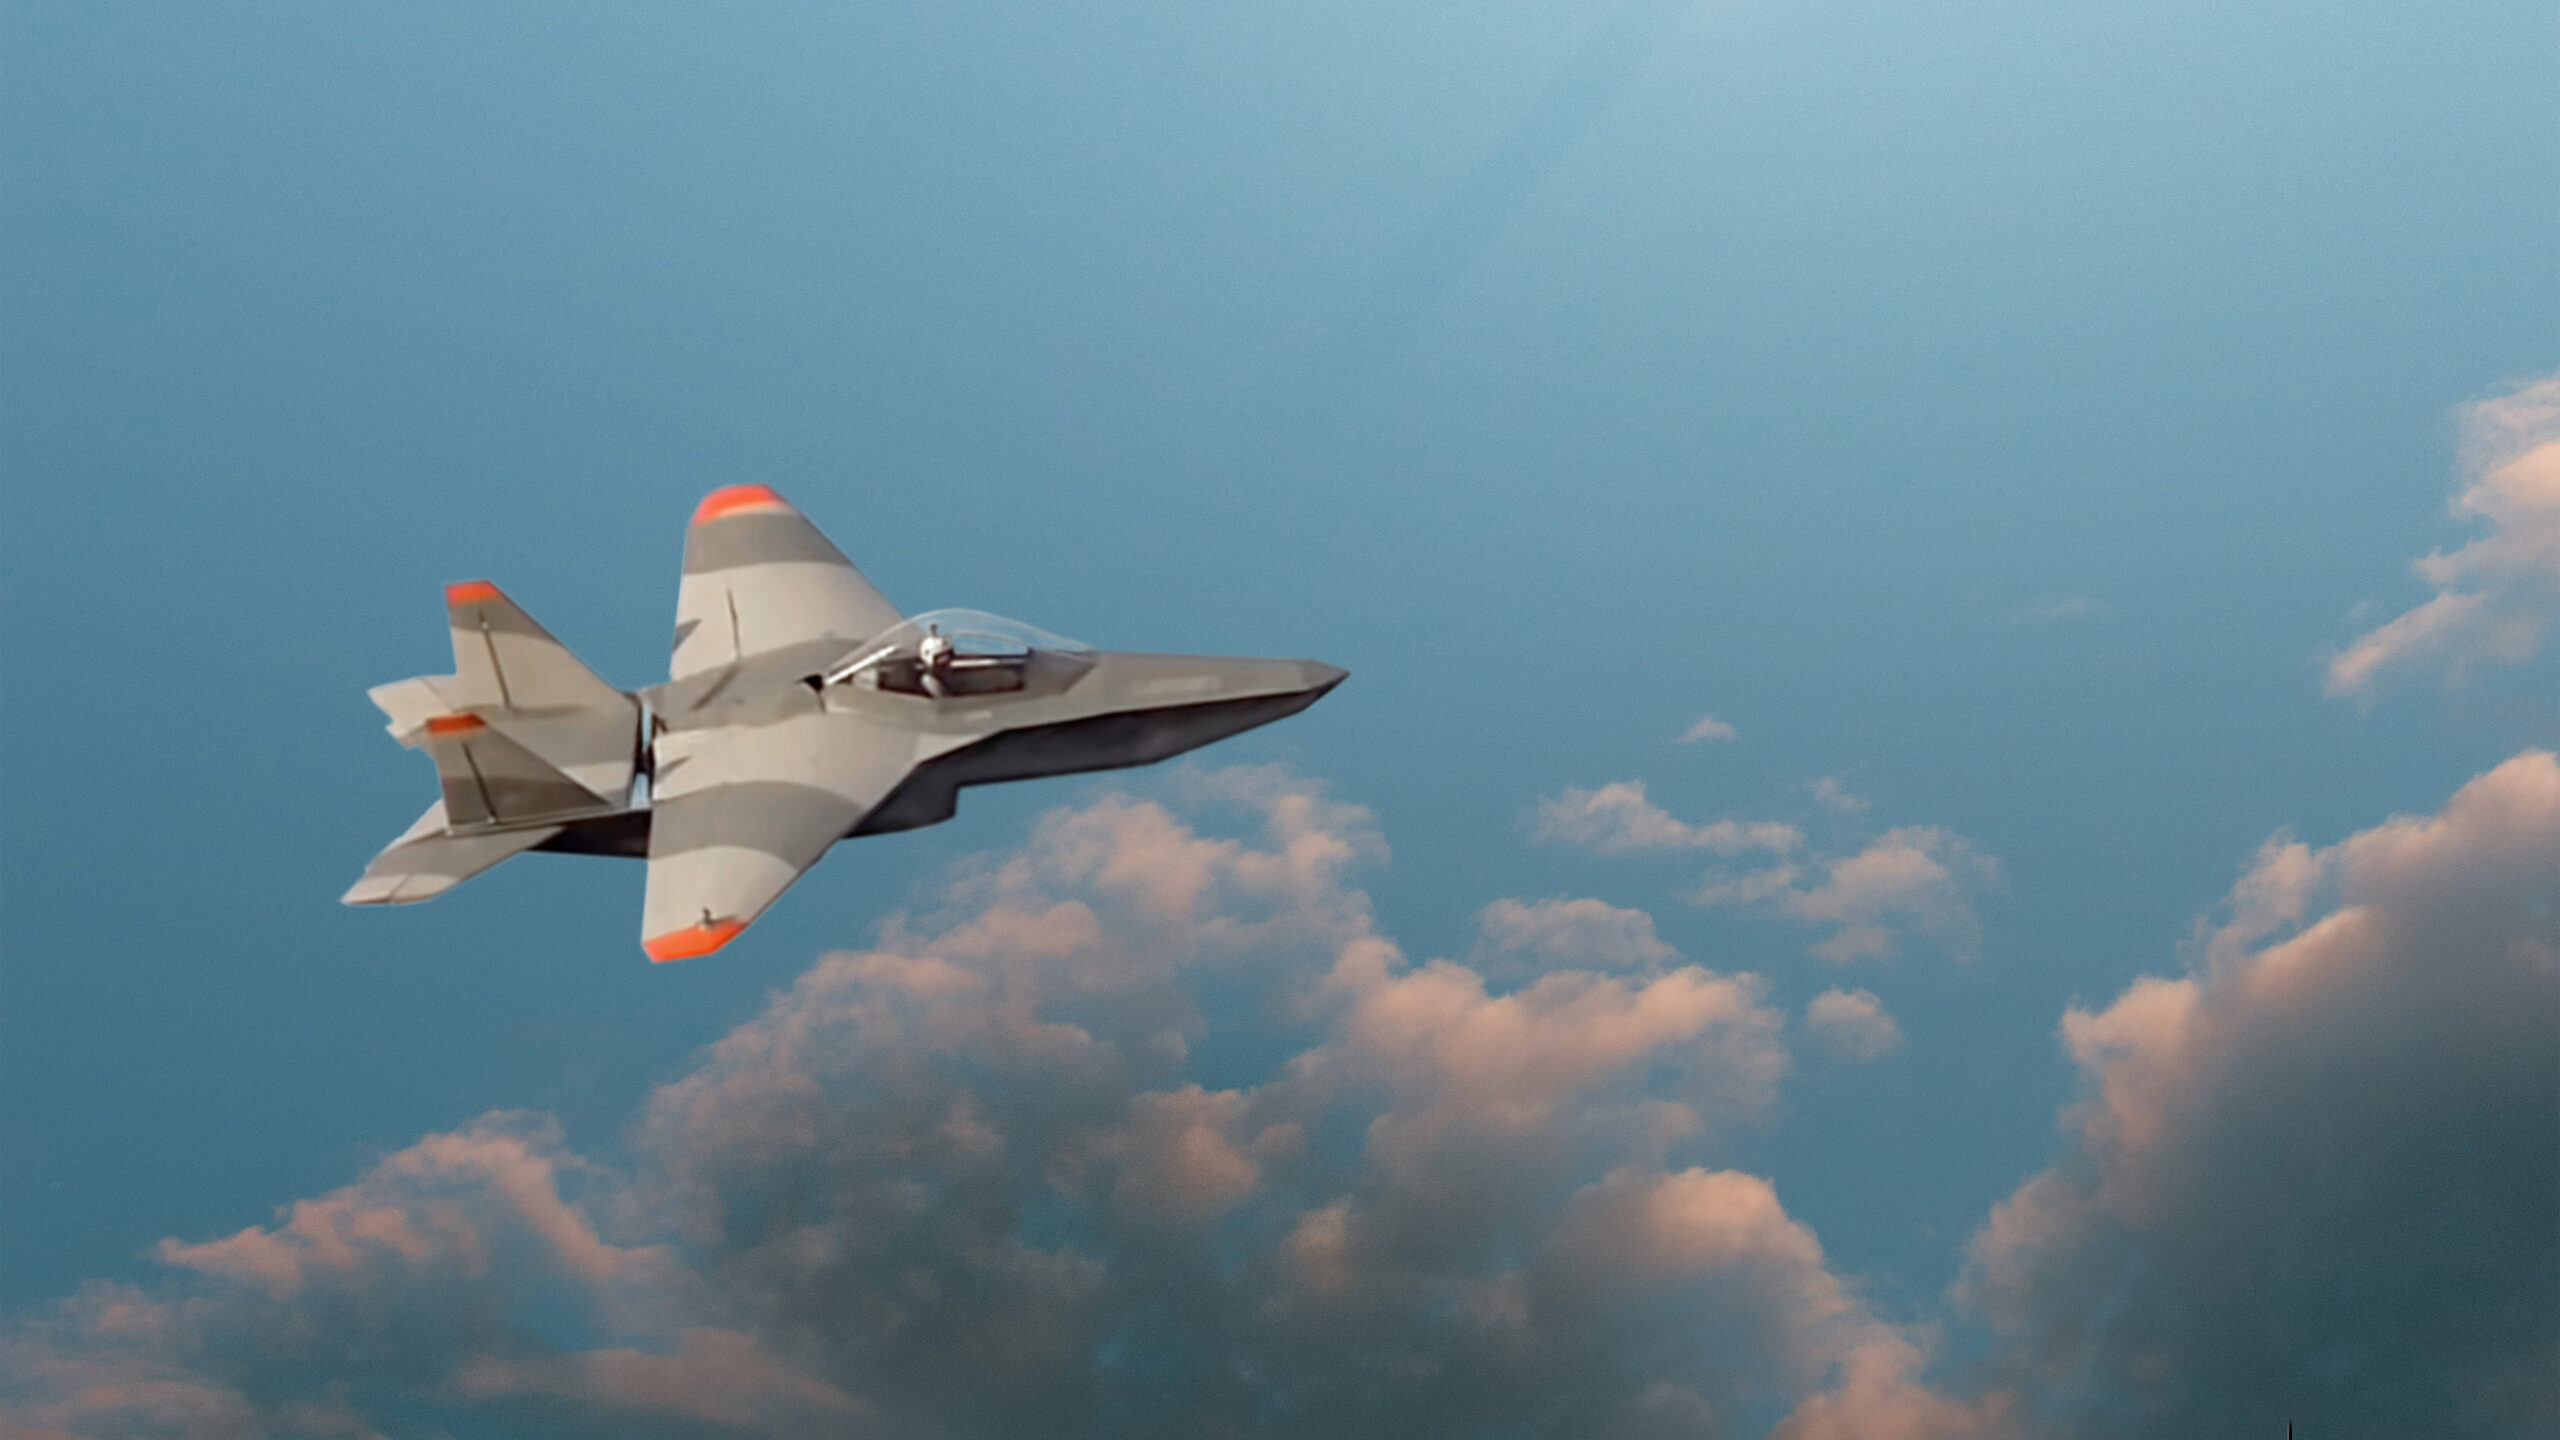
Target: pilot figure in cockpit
{"x": 933, "y": 653}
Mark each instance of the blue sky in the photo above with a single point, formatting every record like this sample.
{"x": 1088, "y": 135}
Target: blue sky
{"x": 2005, "y": 412}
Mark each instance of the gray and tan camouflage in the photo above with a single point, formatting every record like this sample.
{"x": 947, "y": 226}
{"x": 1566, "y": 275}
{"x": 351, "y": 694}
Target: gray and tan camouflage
{"x": 802, "y": 708}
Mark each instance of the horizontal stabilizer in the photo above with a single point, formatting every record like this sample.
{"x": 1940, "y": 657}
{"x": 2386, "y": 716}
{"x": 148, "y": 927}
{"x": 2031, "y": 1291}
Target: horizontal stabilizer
{"x": 491, "y": 780}
{"x": 429, "y": 859}
{"x": 530, "y": 745}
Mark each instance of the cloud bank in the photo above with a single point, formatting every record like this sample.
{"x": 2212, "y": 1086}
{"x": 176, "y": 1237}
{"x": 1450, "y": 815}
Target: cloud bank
{"x": 2317, "y": 1176}
{"x": 2496, "y": 596}
{"x": 969, "y": 1182}
{"x": 975, "y": 1181}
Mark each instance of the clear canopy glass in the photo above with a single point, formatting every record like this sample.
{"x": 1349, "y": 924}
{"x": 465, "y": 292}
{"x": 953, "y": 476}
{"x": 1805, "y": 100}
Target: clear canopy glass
{"x": 959, "y": 652}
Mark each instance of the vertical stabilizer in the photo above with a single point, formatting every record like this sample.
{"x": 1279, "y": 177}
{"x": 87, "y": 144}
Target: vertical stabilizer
{"x": 511, "y": 673}
{"x": 503, "y": 658}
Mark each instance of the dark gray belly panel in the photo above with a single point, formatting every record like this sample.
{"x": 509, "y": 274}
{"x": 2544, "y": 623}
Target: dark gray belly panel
{"x": 1103, "y": 742}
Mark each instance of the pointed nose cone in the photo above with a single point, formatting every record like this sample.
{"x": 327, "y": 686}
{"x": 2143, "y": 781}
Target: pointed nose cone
{"x": 1322, "y": 677}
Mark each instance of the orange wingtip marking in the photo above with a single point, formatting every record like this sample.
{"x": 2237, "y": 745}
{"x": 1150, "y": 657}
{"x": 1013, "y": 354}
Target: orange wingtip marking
{"x": 455, "y": 724}
{"x": 693, "y": 940}
{"x": 471, "y": 592}
{"x": 735, "y": 499}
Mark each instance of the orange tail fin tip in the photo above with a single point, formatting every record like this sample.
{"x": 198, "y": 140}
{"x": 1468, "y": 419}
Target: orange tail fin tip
{"x": 471, "y": 592}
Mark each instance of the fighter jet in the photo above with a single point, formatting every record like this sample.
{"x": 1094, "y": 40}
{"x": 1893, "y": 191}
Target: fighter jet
{"x": 802, "y": 709}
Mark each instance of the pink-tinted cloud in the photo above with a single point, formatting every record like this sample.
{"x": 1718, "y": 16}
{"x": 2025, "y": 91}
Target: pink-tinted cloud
{"x": 719, "y": 1377}
{"x": 1851, "y": 1024}
{"x": 1617, "y": 819}
{"x": 2316, "y": 1176}
{"x": 1186, "y": 1154}
{"x": 455, "y": 1251}
{"x": 1707, "y": 728}
{"x": 1917, "y": 881}
{"x": 1714, "y": 1250}
{"x": 1517, "y": 937}
{"x": 1914, "y": 882}
{"x": 2496, "y": 596}
{"x": 1477, "y": 1079}
{"x": 963, "y": 1182}
{"x": 1830, "y": 794}
{"x": 444, "y": 1205}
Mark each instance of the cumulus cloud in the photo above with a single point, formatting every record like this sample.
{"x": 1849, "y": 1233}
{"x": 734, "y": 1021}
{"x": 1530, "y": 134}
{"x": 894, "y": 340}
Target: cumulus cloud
{"x": 1517, "y": 937}
{"x": 1707, "y": 728}
{"x": 973, "y": 1181}
{"x": 433, "y": 1273}
{"x": 2316, "y": 1176}
{"x": 1917, "y": 881}
{"x": 1830, "y": 794}
{"x": 718, "y": 1377}
{"x": 977, "y": 1180}
{"x": 1701, "y": 1250}
{"x": 1852, "y": 1024}
{"x": 1473, "y": 1075}
{"x": 1617, "y": 819}
{"x": 2497, "y": 595}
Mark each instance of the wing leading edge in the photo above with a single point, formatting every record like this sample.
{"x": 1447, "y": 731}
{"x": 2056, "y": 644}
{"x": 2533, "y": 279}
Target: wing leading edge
{"x": 759, "y": 579}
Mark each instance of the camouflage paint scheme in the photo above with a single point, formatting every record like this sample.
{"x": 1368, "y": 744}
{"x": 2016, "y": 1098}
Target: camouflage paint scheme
{"x": 802, "y": 708}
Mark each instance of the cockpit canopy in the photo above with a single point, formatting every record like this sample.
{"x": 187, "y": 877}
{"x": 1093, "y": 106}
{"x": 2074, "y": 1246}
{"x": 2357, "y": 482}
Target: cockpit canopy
{"x": 946, "y": 653}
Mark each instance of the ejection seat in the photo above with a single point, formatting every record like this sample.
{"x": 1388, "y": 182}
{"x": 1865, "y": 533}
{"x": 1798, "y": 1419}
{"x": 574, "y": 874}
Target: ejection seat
{"x": 959, "y": 654}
